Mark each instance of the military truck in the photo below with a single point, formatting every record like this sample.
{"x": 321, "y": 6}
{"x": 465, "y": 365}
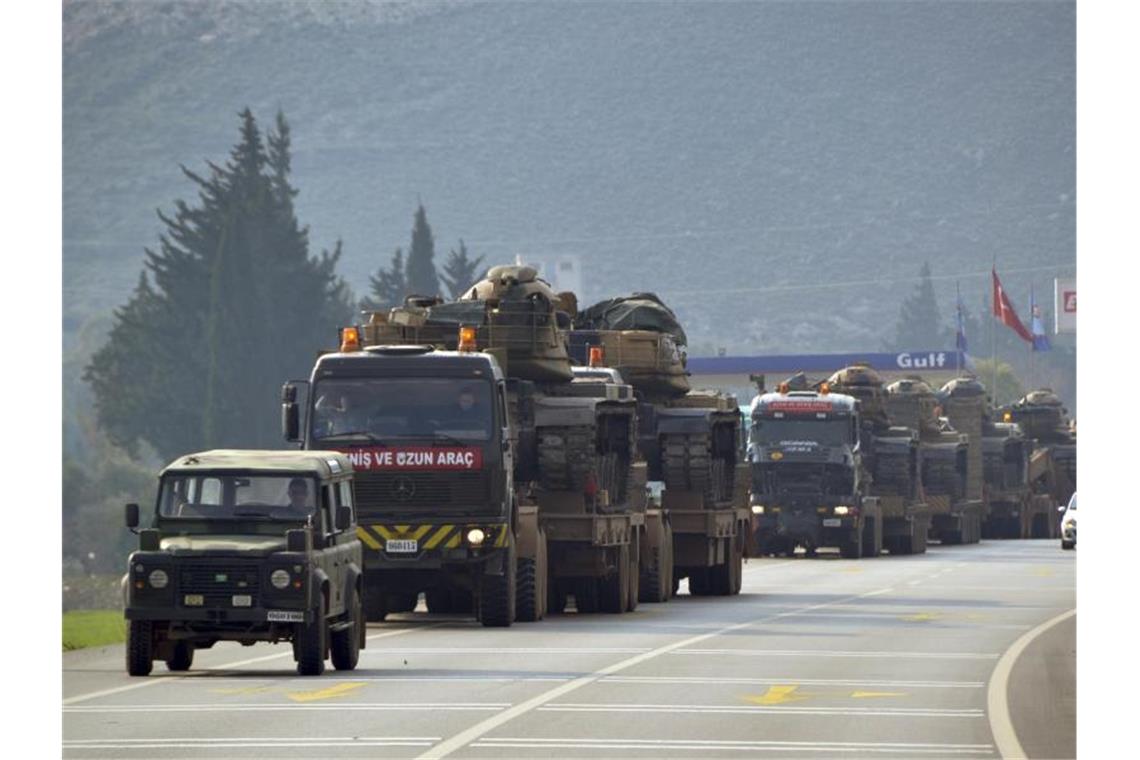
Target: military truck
{"x": 247, "y": 546}
{"x": 688, "y": 439}
{"x": 809, "y": 485}
{"x": 572, "y": 444}
{"x": 891, "y": 455}
{"x": 427, "y": 433}
{"x": 950, "y": 462}
{"x": 1053, "y": 461}
{"x": 1009, "y": 505}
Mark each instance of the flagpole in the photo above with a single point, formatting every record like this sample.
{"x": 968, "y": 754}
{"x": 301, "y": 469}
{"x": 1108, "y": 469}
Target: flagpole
{"x": 993, "y": 333}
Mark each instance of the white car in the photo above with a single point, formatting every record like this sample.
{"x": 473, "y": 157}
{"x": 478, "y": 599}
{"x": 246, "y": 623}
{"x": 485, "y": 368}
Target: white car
{"x": 1069, "y": 524}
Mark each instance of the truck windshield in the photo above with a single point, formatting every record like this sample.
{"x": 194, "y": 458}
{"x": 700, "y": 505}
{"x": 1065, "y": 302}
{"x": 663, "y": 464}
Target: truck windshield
{"x": 381, "y": 409}
{"x": 224, "y": 496}
{"x": 770, "y": 431}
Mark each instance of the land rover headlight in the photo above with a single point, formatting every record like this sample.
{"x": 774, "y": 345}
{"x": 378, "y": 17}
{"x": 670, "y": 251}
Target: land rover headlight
{"x": 476, "y": 536}
{"x": 158, "y": 579}
{"x": 757, "y": 509}
{"x": 842, "y": 510}
{"x": 279, "y": 579}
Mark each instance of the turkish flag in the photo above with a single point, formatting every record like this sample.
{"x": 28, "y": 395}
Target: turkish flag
{"x": 1003, "y": 310}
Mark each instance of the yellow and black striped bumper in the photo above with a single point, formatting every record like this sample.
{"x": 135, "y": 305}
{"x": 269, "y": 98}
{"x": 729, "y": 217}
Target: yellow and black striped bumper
{"x": 431, "y": 538}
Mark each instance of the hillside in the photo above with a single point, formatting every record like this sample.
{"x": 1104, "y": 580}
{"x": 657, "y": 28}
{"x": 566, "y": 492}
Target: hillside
{"x": 778, "y": 171}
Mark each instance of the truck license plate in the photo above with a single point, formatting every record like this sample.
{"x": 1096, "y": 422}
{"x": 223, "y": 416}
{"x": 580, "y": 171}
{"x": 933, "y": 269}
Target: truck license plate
{"x": 402, "y": 546}
{"x": 832, "y": 522}
{"x": 285, "y": 616}
{"x": 242, "y": 600}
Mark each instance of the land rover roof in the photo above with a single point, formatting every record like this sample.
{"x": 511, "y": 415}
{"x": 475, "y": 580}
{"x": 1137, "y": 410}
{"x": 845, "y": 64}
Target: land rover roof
{"x": 324, "y": 464}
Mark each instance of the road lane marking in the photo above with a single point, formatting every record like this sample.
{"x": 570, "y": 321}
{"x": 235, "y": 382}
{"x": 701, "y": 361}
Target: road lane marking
{"x": 329, "y": 692}
{"x": 664, "y": 680}
{"x": 260, "y": 743}
{"x": 778, "y": 694}
{"x": 814, "y": 653}
{"x": 876, "y": 694}
{"x": 154, "y": 681}
{"x": 713, "y": 745}
{"x": 500, "y": 651}
{"x": 888, "y": 712}
{"x": 289, "y": 707}
{"x": 463, "y": 738}
{"x": 1001, "y": 724}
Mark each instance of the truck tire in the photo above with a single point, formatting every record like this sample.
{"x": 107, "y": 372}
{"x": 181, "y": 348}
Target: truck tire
{"x": 853, "y": 548}
{"x": 699, "y": 583}
{"x": 181, "y": 657}
{"x": 723, "y": 580}
{"x": 668, "y": 582}
{"x": 555, "y": 597}
{"x": 872, "y": 538}
{"x": 633, "y": 589}
{"x": 737, "y": 565}
{"x": 439, "y": 600}
{"x": 345, "y": 644}
{"x": 140, "y": 647}
{"x": 497, "y": 593}
{"x": 586, "y": 597}
{"x": 654, "y": 585}
{"x": 309, "y": 643}
{"x": 531, "y": 584}
{"x": 614, "y": 588}
{"x": 375, "y": 604}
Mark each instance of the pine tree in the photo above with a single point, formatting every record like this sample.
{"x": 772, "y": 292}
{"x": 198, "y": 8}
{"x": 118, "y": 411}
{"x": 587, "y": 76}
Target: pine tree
{"x": 230, "y": 306}
{"x": 389, "y": 286}
{"x": 420, "y": 269}
{"x": 920, "y": 322}
{"x": 461, "y": 271}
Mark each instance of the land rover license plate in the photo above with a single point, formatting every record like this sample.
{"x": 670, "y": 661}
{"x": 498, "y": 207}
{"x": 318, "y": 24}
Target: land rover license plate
{"x": 402, "y": 546}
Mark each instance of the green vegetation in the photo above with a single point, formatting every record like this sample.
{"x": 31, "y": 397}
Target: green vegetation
{"x": 92, "y": 628}
{"x": 1009, "y": 387}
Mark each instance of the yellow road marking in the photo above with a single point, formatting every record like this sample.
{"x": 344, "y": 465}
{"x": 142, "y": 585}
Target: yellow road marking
{"x": 866, "y": 694}
{"x": 922, "y": 617}
{"x": 1043, "y": 572}
{"x": 243, "y": 690}
{"x": 852, "y": 569}
{"x": 338, "y": 690}
{"x": 778, "y": 695}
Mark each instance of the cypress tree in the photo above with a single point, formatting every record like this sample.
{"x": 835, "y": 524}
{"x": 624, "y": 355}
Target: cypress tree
{"x": 420, "y": 269}
{"x": 920, "y": 322}
{"x": 461, "y": 271}
{"x": 230, "y": 306}
{"x": 388, "y": 286}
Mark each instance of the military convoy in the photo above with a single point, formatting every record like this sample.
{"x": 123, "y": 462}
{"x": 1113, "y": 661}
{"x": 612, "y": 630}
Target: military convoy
{"x": 505, "y": 452}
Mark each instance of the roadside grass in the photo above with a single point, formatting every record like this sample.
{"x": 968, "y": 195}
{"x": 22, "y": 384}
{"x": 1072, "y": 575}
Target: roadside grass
{"x": 92, "y": 628}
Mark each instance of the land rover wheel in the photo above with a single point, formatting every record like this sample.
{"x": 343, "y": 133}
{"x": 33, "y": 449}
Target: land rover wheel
{"x": 140, "y": 647}
{"x": 181, "y": 657}
{"x": 346, "y": 642}
{"x": 309, "y": 643}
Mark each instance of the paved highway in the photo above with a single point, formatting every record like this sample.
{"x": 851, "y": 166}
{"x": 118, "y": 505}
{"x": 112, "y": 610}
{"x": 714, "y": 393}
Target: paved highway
{"x": 816, "y": 658}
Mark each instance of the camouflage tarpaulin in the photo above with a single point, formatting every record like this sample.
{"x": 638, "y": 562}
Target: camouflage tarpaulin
{"x": 640, "y": 311}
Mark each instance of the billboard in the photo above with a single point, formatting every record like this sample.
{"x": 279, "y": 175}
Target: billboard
{"x": 1065, "y": 305}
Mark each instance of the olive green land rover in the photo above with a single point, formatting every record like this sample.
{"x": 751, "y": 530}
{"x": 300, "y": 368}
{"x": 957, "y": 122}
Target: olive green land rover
{"x": 247, "y": 546}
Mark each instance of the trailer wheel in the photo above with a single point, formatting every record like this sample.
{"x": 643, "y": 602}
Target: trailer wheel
{"x": 853, "y": 548}
{"x": 634, "y": 575}
{"x": 140, "y": 647}
{"x": 615, "y": 587}
{"x": 668, "y": 580}
{"x": 586, "y": 596}
{"x": 181, "y": 657}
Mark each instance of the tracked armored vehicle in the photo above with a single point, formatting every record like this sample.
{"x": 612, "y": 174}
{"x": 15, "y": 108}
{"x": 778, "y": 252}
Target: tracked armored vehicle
{"x": 950, "y": 462}
{"x": 689, "y": 441}
{"x": 891, "y": 455}
{"x": 1053, "y": 461}
{"x": 568, "y": 446}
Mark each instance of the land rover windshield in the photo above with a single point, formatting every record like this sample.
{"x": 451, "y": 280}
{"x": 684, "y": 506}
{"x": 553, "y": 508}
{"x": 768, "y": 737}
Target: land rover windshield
{"x": 381, "y": 410}
{"x": 229, "y": 496}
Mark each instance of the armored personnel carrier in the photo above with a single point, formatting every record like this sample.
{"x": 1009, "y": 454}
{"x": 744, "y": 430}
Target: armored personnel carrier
{"x": 689, "y": 439}
{"x": 950, "y": 462}
{"x": 567, "y": 453}
{"x": 890, "y": 452}
{"x": 1053, "y": 461}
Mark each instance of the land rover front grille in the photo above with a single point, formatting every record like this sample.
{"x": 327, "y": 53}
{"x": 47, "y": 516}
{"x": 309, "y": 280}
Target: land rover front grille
{"x": 219, "y": 583}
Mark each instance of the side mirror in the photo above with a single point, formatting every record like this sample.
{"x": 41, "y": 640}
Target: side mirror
{"x": 132, "y": 515}
{"x": 290, "y": 417}
{"x": 343, "y": 517}
{"x": 1061, "y": 508}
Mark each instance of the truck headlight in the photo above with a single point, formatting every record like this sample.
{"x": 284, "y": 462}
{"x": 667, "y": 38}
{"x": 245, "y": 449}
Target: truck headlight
{"x": 757, "y": 509}
{"x": 158, "y": 579}
{"x": 279, "y": 579}
{"x": 842, "y": 510}
{"x": 476, "y": 536}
